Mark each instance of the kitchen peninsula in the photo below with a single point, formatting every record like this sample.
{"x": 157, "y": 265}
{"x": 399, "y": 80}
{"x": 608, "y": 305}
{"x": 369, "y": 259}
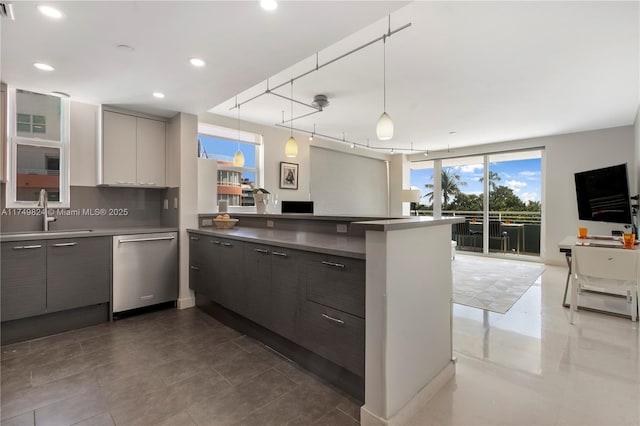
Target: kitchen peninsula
{"x": 302, "y": 284}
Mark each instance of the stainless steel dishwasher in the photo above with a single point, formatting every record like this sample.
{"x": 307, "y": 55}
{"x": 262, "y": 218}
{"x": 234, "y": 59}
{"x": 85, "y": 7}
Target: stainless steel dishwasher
{"x": 145, "y": 270}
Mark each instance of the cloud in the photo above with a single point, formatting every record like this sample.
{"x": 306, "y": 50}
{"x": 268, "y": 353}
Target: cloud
{"x": 469, "y": 168}
{"x": 530, "y": 174}
{"x": 529, "y": 196}
{"x": 514, "y": 184}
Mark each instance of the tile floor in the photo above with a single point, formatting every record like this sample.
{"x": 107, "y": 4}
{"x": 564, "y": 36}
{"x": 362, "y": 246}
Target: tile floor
{"x": 164, "y": 368}
{"x": 527, "y": 367}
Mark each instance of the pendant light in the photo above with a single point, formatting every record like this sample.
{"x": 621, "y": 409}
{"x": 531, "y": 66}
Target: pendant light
{"x": 238, "y": 158}
{"x": 291, "y": 147}
{"x": 384, "y": 129}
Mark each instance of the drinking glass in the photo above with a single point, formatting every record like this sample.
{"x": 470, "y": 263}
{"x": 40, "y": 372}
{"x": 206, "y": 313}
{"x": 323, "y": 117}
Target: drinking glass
{"x": 582, "y": 232}
{"x": 628, "y": 240}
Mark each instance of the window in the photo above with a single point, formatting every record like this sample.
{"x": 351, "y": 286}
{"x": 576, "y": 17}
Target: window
{"x": 234, "y": 184}
{"x": 39, "y": 149}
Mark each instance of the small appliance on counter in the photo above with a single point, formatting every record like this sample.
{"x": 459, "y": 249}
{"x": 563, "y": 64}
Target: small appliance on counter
{"x": 300, "y": 207}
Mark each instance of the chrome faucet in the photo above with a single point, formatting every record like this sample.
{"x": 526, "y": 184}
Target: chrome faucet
{"x": 43, "y": 203}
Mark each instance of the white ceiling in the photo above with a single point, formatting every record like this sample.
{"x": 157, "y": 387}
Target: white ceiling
{"x": 490, "y": 71}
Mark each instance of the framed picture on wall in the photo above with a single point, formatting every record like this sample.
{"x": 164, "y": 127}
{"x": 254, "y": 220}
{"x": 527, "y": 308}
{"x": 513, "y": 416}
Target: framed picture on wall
{"x": 288, "y": 175}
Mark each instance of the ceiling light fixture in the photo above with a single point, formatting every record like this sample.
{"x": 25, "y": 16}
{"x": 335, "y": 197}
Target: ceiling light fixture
{"x": 197, "y": 62}
{"x": 238, "y": 158}
{"x": 269, "y": 4}
{"x": 43, "y": 67}
{"x": 384, "y": 129}
{"x": 49, "y": 11}
{"x": 158, "y": 95}
{"x": 291, "y": 147}
{"x": 313, "y": 133}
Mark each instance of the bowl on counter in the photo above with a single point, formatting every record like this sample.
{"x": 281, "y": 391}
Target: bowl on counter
{"x": 225, "y": 223}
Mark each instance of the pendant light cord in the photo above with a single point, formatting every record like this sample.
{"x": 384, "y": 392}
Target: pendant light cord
{"x": 291, "y": 121}
{"x": 384, "y": 73}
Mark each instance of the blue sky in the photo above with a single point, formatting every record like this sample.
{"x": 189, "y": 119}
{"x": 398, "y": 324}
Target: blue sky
{"x": 224, "y": 150}
{"x": 523, "y": 176}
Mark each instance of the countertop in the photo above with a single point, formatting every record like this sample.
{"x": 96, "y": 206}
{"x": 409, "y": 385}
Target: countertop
{"x": 406, "y": 223}
{"x": 82, "y": 233}
{"x": 332, "y": 244}
{"x": 338, "y": 218}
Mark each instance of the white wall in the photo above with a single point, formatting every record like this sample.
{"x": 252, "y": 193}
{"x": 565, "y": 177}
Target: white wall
{"x": 274, "y": 139}
{"x": 566, "y": 155}
{"x": 636, "y": 133}
{"x": 347, "y": 184}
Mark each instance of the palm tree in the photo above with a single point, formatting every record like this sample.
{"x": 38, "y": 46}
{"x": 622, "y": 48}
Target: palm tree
{"x": 450, "y": 187}
{"x": 493, "y": 178}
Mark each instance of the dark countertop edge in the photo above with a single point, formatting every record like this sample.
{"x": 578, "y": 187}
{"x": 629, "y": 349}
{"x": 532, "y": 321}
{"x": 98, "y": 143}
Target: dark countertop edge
{"x": 298, "y": 216}
{"x": 68, "y": 233}
{"x": 406, "y": 223}
{"x": 303, "y": 247}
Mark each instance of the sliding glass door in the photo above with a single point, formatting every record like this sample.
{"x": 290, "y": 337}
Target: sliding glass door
{"x": 498, "y": 194}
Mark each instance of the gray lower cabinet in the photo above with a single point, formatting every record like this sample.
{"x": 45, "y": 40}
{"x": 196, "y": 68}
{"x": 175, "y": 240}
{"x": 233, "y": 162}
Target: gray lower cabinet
{"x": 271, "y": 282}
{"x": 23, "y": 279}
{"x": 44, "y": 276}
{"x": 314, "y": 300}
{"x": 77, "y": 272}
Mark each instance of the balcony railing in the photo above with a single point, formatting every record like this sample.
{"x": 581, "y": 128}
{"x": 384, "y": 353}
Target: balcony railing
{"x": 523, "y": 239}
{"x": 502, "y": 216}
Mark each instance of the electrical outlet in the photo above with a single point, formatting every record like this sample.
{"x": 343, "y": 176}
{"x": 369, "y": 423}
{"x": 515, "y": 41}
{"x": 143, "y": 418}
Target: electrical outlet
{"x": 341, "y": 227}
{"x": 166, "y": 204}
{"x": 207, "y": 222}
{"x": 269, "y": 224}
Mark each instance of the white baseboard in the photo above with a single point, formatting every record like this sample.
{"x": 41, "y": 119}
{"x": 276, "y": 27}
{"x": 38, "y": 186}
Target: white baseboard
{"x": 412, "y": 407}
{"x": 186, "y": 302}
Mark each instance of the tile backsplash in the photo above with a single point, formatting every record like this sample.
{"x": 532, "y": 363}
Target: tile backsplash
{"x": 100, "y": 207}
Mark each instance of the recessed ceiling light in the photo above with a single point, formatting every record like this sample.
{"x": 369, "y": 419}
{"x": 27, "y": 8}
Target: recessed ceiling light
{"x": 158, "y": 95}
{"x": 269, "y": 4}
{"x": 125, "y": 48}
{"x": 43, "y": 67}
{"x": 49, "y": 11}
{"x": 196, "y": 62}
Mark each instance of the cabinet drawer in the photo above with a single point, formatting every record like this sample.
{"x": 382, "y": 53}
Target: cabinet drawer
{"x": 336, "y": 282}
{"x": 334, "y": 335}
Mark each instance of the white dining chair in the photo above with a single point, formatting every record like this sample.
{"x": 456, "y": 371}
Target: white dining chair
{"x": 605, "y": 268}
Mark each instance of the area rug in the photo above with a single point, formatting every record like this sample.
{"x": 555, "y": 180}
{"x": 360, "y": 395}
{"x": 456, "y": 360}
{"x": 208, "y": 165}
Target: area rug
{"x": 491, "y": 284}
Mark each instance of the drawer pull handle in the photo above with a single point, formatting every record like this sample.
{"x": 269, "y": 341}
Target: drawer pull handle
{"x": 336, "y": 320}
{"x": 259, "y": 250}
{"x": 215, "y": 242}
{"x": 195, "y": 268}
{"x": 65, "y": 245}
{"x": 277, "y": 253}
{"x": 194, "y": 238}
{"x": 337, "y": 265}
{"x": 27, "y": 247}
{"x": 227, "y": 244}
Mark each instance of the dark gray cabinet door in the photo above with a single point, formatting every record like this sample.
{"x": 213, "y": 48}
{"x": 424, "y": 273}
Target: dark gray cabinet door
{"x": 78, "y": 272}
{"x": 337, "y": 282}
{"x": 227, "y": 273}
{"x": 197, "y": 261}
{"x": 23, "y": 277}
{"x": 257, "y": 282}
{"x": 285, "y": 291}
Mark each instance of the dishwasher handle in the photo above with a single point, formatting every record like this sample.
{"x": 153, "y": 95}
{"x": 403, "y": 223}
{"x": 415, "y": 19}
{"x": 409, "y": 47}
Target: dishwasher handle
{"x": 141, "y": 240}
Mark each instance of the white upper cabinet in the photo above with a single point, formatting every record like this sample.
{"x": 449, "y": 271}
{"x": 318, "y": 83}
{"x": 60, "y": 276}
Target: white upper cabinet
{"x": 150, "y": 152}
{"x": 133, "y": 150}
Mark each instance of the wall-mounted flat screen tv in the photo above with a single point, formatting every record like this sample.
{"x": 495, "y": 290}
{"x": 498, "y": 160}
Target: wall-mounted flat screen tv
{"x": 603, "y": 195}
